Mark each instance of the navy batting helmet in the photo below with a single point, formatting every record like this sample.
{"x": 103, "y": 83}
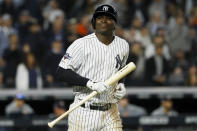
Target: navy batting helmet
{"x": 104, "y": 10}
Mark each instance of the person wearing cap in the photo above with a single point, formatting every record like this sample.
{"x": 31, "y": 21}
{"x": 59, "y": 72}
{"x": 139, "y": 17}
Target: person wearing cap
{"x": 88, "y": 62}
{"x": 130, "y": 110}
{"x": 18, "y": 107}
{"x": 165, "y": 109}
{"x": 58, "y": 109}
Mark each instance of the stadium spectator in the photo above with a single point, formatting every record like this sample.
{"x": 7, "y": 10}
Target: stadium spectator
{"x": 36, "y": 41}
{"x": 165, "y": 109}
{"x": 139, "y": 8}
{"x": 136, "y": 24}
{"x": 3, "y": 40}
{"x": 157, "y": 6}
{"x": 6, "y": 28}
{"x": 143, "y": 37}
{"x": 12, "y": 57}
{"x": 28, "y": 74}
{"x": 34, "y": 9}
{"x": 7, "y": 6}
{"x": 157, "y": 68}
{"x": 192, "y": 76}
{"x": 18, "y": 107}
{"x": 58, "y": 109}
{"x": 22, "y": 25}
{"x": 50, "y": 12}
{"x": 193, "y": 18}
{"x": 71, "y": 33}
{"x": 123, "y": 9}
{"x": 83, "y": 25}
{"x": 179, "y": 60}
{"x": 176, "y": 78}
{"x": 7, "y": 25}
{"x": 178, "y": 38}
{"x": 56, "y": 32}
{"x": 136, "y": 55}
{"x": 49, "y": 68}
{"x": 130, "y": 110}
{"x": 192, "y": 55}
{"x": 150, "y": 48}
{"x": 155, "y": 22}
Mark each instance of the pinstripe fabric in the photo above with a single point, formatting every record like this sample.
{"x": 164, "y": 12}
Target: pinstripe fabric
{"x": 92, "y": 59}
{"x": 85, "y": 119}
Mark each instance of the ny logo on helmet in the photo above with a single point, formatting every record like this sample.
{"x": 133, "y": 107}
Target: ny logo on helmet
{"x": 105, "y": 8}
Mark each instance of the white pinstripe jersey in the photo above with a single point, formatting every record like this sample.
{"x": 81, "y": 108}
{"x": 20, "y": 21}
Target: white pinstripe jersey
{"x": 96, "y": 61}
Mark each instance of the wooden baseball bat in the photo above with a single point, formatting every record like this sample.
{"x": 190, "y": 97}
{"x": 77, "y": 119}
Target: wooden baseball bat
{"x": 112, "y": 80}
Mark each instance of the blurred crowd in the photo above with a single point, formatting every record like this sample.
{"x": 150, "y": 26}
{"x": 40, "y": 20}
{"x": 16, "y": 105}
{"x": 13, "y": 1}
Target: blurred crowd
{"x": 34, "y": 35}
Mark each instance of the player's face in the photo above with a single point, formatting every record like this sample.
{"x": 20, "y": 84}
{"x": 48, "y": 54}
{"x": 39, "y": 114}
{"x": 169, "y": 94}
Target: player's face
{"x": 105, "y": 24}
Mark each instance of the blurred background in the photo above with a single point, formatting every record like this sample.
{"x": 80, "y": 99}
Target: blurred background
{"x": 161, "y": 92}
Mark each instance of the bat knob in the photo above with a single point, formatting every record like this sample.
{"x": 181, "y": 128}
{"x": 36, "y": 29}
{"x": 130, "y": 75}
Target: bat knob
{"x": 51, "y": 124}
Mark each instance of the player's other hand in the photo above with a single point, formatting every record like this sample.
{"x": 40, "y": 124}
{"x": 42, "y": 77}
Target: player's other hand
{"x": 100, "y": 87}
{"x": 120, "y": 91}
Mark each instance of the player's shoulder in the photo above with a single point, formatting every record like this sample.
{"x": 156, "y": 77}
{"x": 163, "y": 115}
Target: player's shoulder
{"x": 122, "y": 41}
{"x": 80, "y": 42}
{"x": 82, "y": 39}
{"x": 90, "y": 36}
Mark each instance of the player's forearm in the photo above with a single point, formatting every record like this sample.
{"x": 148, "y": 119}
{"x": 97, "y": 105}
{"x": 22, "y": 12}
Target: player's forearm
{"x": 70, "y": 77}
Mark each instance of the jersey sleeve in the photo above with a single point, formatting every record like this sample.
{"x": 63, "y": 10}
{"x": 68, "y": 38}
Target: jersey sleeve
{"x": 73, "y": 57}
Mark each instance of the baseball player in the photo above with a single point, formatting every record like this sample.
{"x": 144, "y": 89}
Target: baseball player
{"x": 88, "y": 62}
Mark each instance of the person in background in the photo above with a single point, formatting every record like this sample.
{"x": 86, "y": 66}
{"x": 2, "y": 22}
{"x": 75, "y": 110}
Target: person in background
{"x": 36, "y": 41}
{"x": 176, "y": 77}
{"x": 157, "y": 68}
{"x": 18, "y": 107}
{"x": 178, "y": 37}
{"x": 58, "y": 109}
{"x": 83, "y": 25}
{"x": 158, "y": 39}
{"x": 165, "y": 109}
{"x": 55, "y": 32}
{"x": 20, "y": 110}
{"x": 71, "y": 33}
{"x": 49, "y": 68}
{"x": 192, "y": 76}
{"x": 12, "y": 57}
{"x": 130, "y": 110}
{"x": 28, "y": 74}
{"x": 136, "y": 55}
{"x": 22, "y": 25}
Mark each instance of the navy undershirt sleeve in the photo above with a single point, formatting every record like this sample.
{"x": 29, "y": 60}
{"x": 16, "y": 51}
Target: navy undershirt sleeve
{"x": 71, "y": 77}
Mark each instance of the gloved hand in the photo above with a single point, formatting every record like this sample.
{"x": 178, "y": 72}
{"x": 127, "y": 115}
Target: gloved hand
{"x": 120, "y": 91}
{"x": 100, "y": 87}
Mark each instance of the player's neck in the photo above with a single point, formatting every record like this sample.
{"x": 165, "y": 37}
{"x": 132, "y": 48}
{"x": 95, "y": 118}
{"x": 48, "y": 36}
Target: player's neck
{"x": 105, "y": 39}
